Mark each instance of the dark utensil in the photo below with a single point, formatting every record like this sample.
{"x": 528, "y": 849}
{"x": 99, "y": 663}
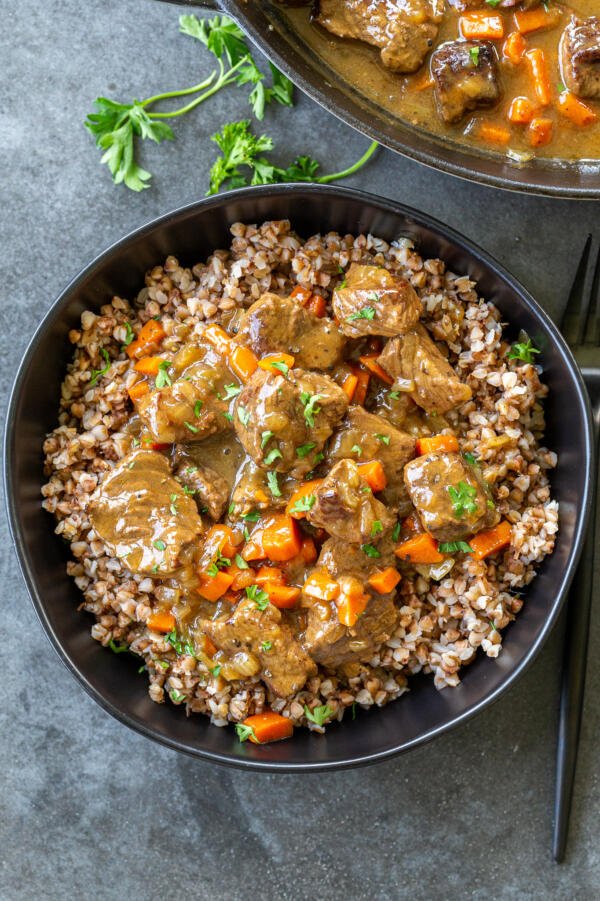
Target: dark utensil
{"x": 192, "y": 233}
{"x": 581, "y": 328}
{"x": 271, "y": 31}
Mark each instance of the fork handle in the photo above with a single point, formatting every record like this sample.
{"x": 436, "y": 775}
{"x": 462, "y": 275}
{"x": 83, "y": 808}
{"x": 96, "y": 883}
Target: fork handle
{"x": 573, "y": 687}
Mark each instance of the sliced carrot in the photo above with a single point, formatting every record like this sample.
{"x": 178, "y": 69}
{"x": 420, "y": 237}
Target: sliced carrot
{"x": 148, "y": 365}
{"x": 420, "y": 549}
{"x": 540, "y": 131}
{"x": 139, "y": 389}
{"x": 224, "y": 539}
{"x": 253, "y": 549}
{"x": 218, "y": 337}
{"x": 494, "y": 134}
{"x": 242, "y": 578}
{"x": 490, "y": 541}
{"x": 437, "y": 444}
{"x": 528, "y": 20}
{"x": 576, "y": 110}
{"x": 270, "y": 360}
{"x": 309, "y": 550}
{"x": 370, "y": 362}
{"x": 423, "y": 84}
{"x": 268, "y": 574}
{"x": 151, "y": 332}
{"x": 214, "y": 587}
{"x": 521, "y": 111}
{"x": 317, "y": 306}
{"x": 320, "y": 585}
{"x": 242, "y": 361}
{"x": 161, "y": 621}
{"x": 268, "y": 726}
{"x": 385, "y": 580}
{"x": 304, "y": 491}
{"x": 539, "y": 73}
{"x": 208, "y": 647}
{"x": 363, "y": 378}
{"x": 283, "y": 596}
{"x": 351, "y": 603}
{"x": 514, "y": 47}
{"x": 301, "y": 294}
{"x": 374, "y": 475}
{"x": 481, "y": 26}
{"x": 349, "y": 385}
{"x": 281, "y": 541}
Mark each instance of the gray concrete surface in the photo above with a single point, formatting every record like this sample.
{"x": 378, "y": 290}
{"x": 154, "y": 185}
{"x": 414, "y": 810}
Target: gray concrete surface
{"x": 92, "y": 810}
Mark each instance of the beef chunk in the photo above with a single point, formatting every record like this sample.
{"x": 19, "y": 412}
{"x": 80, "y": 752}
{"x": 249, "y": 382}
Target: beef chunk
{"x": 465, "y": 75}
{"x": 332, "y": 644}
{"x": 209, "y": 489}
{"x": 346, "y": 508}
{"x": 375, "y": 302}
{"x": 142, "y": 514}
{"x": 451, "y": 497}
{"x": 415, "y": 358}
{"x": 252, "y": 491}
{"x": 280, "y": 324}
{"x": 300, "y": 410}
{"x": 404, "y": 30}
{"x": 190, "y": 409}
{"x": 580, "y": 56}
{"x": 285, "y": 667}
{"x": 464, "y": 5}
{"x": 340, "y": 558}
{"x": 377, "y": 440}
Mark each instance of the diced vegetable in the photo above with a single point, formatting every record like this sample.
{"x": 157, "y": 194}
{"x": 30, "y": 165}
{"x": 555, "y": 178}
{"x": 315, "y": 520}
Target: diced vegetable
{"x": 528, "y": 20}
{"x": 148, "y": 365}
{"x": 360, "y": 392}
{"x": 241, "y": 577}
{"x": 253, "y": 549}
{"x": 242, "y": 361}
{"x": 161, "y": 621}
{"x": 437, "y": 444}
{"x": 420, "y": 549}
{"x": 385, "y": 580}
{"x": 139, "y": 389}
{"x": 268, "y": 574}
{"x": 351, "y": 603}
{"x": 282, "y": 596}
{"x": 490, "y": 541}
{"x": 576, "y": 110}
{"x": 540, "y": 131}
{"x": 539, "y": 73}
{"x": 309, "y": 550}
{"x": 494, "y": 134}
{"x": 374, "y": 475}
{"x": 268, "y": 726}
{"x": 277, "y": 363}
{"x": 300, "y": 501}
{"x": 349, "y": 385}
{"x": 224, "y": 540}
{"x": 301, "y": 294}
{"x": 320, "y": 585}
{"x": 281, "y": 541}
{"x": 521, "y": 111}
{"x": 317, "y": 305}
{"x": 208, "y": 647}
{"x": 218, "y": 337}
{"x": 481, "y": 26}
{"x": 514, "y": 47}
{"x": 214, "y": 587}
{"x": 370, "y": 362}
{"x": 151, "y": 333}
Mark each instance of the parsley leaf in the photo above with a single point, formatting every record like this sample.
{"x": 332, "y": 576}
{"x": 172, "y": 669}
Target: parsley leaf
{"x": 266, "y": 645}
{"x": 396, "y": 531}
{"x": 232, "y": 390}
{"x": 243, "y": 415}
{"x": 163, "y": 379}
{"x": 394, "y": 395}
{"x": 318, "y": 715}
{"x": 523, "y": 351}
{"x": 118, "y": 648}
{"x": 273, "y": 483}
{"x": 274, "y": 454}
{"x": 240, "y": 562}
{"x": 309, "y": 402}
{"x": 376, "y": 528}
{"x": 305, "y": 449}
{"x": 365, "y": 313}
{"x": 260, "y": 597}
{"x": 197, "y": 408}
{"x": 356, "y": 449}
{"x": 253, "y": 516}
{"x": 470, "y": 458}
{"x": 176, "y": 696}
{"x": 453, "y": 547}
{"x": 369, "y": 550}
{"x": 129, "y": 334}
{"x": 191, "y": 428}
{"x": 283, "y": 368}
{"x": 98, "y": 373}
{"x": 303, "y": 504}
{"x": 462, "y": 498}
{"x": 385, "y": 439}
{"x": 244, "y": 732}
{"x": 474, "y": 56}
{"x": 265, "y": 438}
{"x": 159, "y": 544}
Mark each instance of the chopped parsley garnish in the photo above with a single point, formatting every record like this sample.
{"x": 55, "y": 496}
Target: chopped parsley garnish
{"x": 176, "y": 697}
{"x": 217, "y": 564}
{"x": 470, "y": 458}
{"x": 493, "y": 3}
{"x": 190, "y": 470}
{"x": 189, "y": 491}
{"x": 260, "y": 597}
{"x": 129, "y": 334}
{"x": 318, "y": 457}
{"x": 135, "y": 442}
{"x": 231, "y": 509}
{"x": 303, "y": 504}
{"x": 474, "y": 55}
{"x": 305, "y": 449}
{"x": 365, "y": 313}
{"x": 523, "y": 351}
{"x": 253, "y": 516}
{"x": 173, "y": 505}
{"x": 353, "y": 710}
{"x": 309, "y": 402}
{"x": 244, "y": 732}
{"x": 369, "y": 550}
{"x": 274, "y": 454}
{"x": 396, "y": 531}
{"x": 228, "y": 417}
{"x": 493, "y": 625}
{"x": 273, "y": 483}
{"x": 163, "y": 379}
{"x": 176, "y": 643}
{"x": 454, "y": 547}
{"x": 192, "y": 428}
{"x": 118, "y": 648}
{"x": 162, "y": 663}
{"x": 243, "y": 415}
{"x": 97, "y": 373}
{"x": 159, "y": 544}
{"x": 266, "y": 645}
{"x": 240, "y": 562}
{"x": 394, "y": 395}
{"x": 197, "y": 408}
{"x": 385, "y": 439}
{"x": 376, "y": 528}
{"x": 265, "y": 438}
{"x": 489, "y": 503}
{"x": 216, "y": 670}
{"x": 232, "y": 390}
{"x": 462, "y": 498}
{"x": 318, "y": 715}
{"x": 282, "y": 367}
{"x": 356, "y": 449}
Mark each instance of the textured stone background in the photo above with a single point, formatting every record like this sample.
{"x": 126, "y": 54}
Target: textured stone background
{"x": 92, "y": 810}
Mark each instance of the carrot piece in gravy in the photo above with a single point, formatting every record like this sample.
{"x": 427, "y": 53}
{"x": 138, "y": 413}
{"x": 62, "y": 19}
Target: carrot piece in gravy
{"x": 349, "y": 385}
{"x": 218, "y": 337}
{"x": 385, "y": 581}
{"x": 514, "y": 47}
{"x": 268, "y": 726}
{"x": 148, "y": 365}
{"x": 374, "y": 475}
{"x": 494, "y": 134}
{"x": 540, "y": 131}
{"x": 420, "y": 549}
{"x": 162, "y": 621}
{"x": 139, "y": 389}
{"x": 151, "y": 332}
{"x": 370, "y": 363}
{"x": 528, "y": 20}
{"x": 491, "y": 541}
{"x": 281, "y": 541}
{"x": 360, "y": 392}
{"x": 214, "y": 587}
{"x": 539, "y": 73}
{"x": 270, "y": 360}
{"x": 320, "y": 585}
{"x": 437, "y": 444}
{"x": 350, "y": 604}
{"x": 317, "y": 306}
{"x": 282, "y": 596}
{"x": 242, "y": 361}
{"x": 521, "y": 111}
{"x": 575, "y": 109}
{"x": 481, "y": 26}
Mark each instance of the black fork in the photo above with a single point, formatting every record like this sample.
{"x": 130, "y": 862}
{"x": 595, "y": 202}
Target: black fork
{"x": 581, "y": 328}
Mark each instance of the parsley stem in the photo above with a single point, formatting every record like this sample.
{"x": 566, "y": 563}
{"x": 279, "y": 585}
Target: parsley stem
{"x": 325, "y": 179}
{"x": 197, "y": 87}
{"x": 222, "y": 81}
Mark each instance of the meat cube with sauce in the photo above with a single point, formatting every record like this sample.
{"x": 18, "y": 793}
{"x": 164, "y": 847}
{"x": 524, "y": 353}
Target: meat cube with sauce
{"x": 375, "y": 302}
{"x": 341, "y": 558}
{"x": 252, "y": 492}
{"x": 207, "y": 487}
{"x": 580, "y": 56}
{"x": 415, "y": 360}
{"x": 285, "y": 666}
{"x": 404, "y": 30}
{"x": 366, "y": 436}
{"x": 450, "y": 495}
{"x": 142, "y": 514}
{"x": 283, "y": 423}
{"x": 466, "y": 77}
{"x": 274, "y": 324}
{"x": 345, "y": 507}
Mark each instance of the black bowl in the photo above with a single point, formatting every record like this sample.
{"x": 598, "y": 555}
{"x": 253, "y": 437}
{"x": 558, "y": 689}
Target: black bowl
{"x": 191, "y": 234}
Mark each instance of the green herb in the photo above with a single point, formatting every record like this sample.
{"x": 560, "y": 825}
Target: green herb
{"x": 154, "y": 568}
{"x": 98, "y": 373}
{"x": 240, "y": 562}
{"x": 173, "y": 639}
{"x": 303, "y": 504}
{"x": 142, "y": 668}
{"x": 243, "y": 415}
{"x": 365, "y": 313}
{"x": 162, "y": 663}
{"x": 318, "y": 457}
{"x": 260, "y": 597}
{"x": 489, "y": 503}
{"x": 135, "y": 442}
{"x": 282, "y": 367}
{"x": 376, "y": 528}
{"x": 394, "y": 395}
{"x": 192, "y": 428}
{"x": 560, "y": 87}
{"x": 176, "y": 697}
{"x": 523, "y": 351}
{"x": 190, "y": 470}
{"x": 356, "y": 449}
{"x": 173, "y": 505}
{"x": 253, "y": 516}
{"x": 318, "y": 715}
{"x": 265, "y": 438}
{"x": 493, "y": 3}
{"x": 273, "y": 483}
{"x": 462, "y": 498}
{"x": 159, "y": 544}
{"x": 118, "y": 648}
{"x": 231, "y": 509}
{"x": 493, "y": 625}
{"x": 228, "y": 417}
{"x": 305, "y": 449}
{"x": 218, "y": 563}
{"x": 385, "y": 439}
{"x": 343, "y": 284}
{"x": 189, "y": 491}
{"x": 470, "y": 458}
{"x": 232, "y": 390}
{"x": 129, "y": 334}
{"x": 216, "y": 670}
{"x": 309, "y": 402}
{"x": 163, "y": 379}
{"x": 273, "y": 455}
{"x": 266, "y": 645}
{"x": 396, "y": 531}
{"x": 474, "y": 55}
{"x": 244, "y": 732}
{"x": 197, "y": 408}
{"x": 369, "y": 550}
{"x": 454, "y": 547}
{"x": 353, "y": 710}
